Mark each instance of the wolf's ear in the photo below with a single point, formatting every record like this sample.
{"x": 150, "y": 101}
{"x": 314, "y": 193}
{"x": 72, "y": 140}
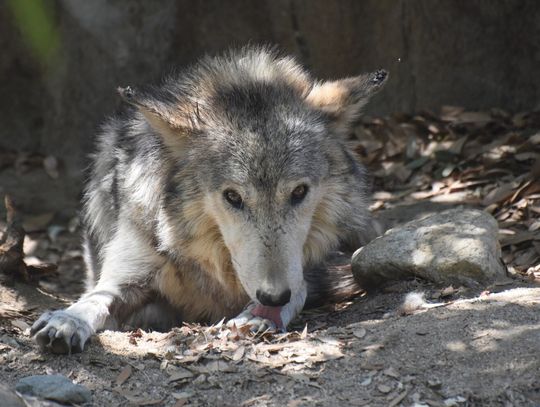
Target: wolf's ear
{"x": 164, "y": 113}
{"x": 342, "y": 100}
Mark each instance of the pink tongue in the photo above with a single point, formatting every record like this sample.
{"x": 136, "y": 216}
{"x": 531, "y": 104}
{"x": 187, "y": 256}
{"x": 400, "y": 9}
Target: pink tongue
{"x": 271, "y": 313}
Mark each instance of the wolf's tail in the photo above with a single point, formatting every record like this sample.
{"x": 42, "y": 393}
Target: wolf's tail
{"x": 332, "y": 282}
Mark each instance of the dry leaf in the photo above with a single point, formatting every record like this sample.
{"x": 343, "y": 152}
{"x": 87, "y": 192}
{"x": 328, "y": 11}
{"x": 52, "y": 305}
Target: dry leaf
{"x": 219, "y": 366}
{"x": 383, "y": 388}
{"x": 391, "y": 372}
{"x": 457, "y": 146}
{"x": 473, "y": 117}
{"x": 519, "y": 237}
{"x": 448, "y": 291}
{"x": 188, "y": 358}
{"x": 359, "y": 333}
{"x": 450, "y": 113}
{"x": 124, "y": 375}
{"x": 19, "y": 323}
{"x": 183, "y": 395}
{"x": 499, "y": 194}
{"x": 374, "y": 347}
{"x": 303, "y": 335}
{"x": 180, "y": 374}
{"x": 526, "y": 258}
{"x": 134, "y": 398}
{"x": 239, "y": 353}
{"x": 398, "y": 399}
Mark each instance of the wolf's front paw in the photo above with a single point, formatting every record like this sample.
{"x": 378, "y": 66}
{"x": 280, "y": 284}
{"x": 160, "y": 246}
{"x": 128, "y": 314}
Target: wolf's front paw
{"x": 256, "y": 324}
{"x": 61, "y": 332}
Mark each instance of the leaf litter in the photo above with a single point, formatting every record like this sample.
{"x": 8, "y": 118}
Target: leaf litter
{"x": 486, "y": 159}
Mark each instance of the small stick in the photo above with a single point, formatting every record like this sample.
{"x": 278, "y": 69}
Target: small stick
{"x": 11, "y": 249}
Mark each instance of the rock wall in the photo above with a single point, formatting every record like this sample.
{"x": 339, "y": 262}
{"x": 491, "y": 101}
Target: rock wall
{"x": 477, "y": 54}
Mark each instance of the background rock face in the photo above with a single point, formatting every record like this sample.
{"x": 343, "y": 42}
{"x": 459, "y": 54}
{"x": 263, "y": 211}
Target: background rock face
{"x": 477, "y": 54}
{"x": 458, "y": 246}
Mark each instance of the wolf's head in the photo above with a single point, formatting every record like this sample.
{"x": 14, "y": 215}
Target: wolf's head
{"x": 262, "y": 141}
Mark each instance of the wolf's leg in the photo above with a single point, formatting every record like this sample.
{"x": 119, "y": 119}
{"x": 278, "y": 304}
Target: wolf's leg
{"x": 128, "y": 265}
{"x": 258, "y": 324}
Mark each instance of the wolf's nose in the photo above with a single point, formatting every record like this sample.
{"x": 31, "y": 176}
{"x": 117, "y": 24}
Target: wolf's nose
{"x": 274, "y": 300}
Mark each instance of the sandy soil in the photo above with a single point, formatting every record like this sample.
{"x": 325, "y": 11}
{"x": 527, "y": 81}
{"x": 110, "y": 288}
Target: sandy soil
{"x": 475, "y": 349}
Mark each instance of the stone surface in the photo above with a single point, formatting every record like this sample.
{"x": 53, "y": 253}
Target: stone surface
{"x": 477, "y": 54}
{"x": 8, "y": 398}
{"x": 457, "y": 246}
{"x": 54, "y": 387}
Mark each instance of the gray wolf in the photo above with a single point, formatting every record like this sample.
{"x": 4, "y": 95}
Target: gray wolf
{"x": 219, "y": 193}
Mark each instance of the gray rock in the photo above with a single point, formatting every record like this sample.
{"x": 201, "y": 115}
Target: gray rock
{"x": 54, "y": 387}
{"x": 9, "y": 398}
{"x": 458, "y": 246}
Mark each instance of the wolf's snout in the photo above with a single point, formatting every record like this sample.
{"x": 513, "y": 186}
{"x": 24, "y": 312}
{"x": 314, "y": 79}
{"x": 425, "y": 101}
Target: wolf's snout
{"x": 273, "y": 300}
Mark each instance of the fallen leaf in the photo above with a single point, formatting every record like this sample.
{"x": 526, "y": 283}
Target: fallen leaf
{"x": 366, "y": 382}
{"x": 535, "y": 139}
{"x": 450, "y": 113}
{"x": 188, "y": 358}
{"x": 219, "y": 366}
{"x": 383, "y": 388}
{"x": 457, "y": 146}
{"x": 239, "y": 353}
{"x": 134, "y": 398}
{"x": 519, "y": 237}
{"x": 400, "y": 397}
{"x": 479, "y": 118}
{"x": 180, "y": 374}
{"x": 448, "y": 291}
{"x": 303, "y": 335}
{"x": 124, "y": 375}
{"x": 19, "y": 323}
{"x": 183, "y": 395}
{"x": 374, "y": 347}
{"x": 391, "y": 372}
{"x": 359, "y": 333}
{"x": 499, "y": 194}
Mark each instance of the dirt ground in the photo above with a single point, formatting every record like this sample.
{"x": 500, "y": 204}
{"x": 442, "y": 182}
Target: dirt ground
{"x": 469, "y": 348}
{"x": 478, "y": 351}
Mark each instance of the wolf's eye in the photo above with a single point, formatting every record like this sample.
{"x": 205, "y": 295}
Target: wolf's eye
{"x": 234, "y": 198}
{"x": 298, "y": 194}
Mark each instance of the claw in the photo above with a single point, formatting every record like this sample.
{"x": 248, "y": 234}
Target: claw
{"x": 75, "y": 341}
{"x": 61, "y": 332}
{"x": 38, "y": 326}
{"x": 52, "y": 335}
{"x": 256, "y": 324}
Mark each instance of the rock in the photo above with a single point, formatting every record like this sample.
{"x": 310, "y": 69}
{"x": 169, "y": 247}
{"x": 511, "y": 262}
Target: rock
{"x": 54, "y": 387}
{"x": 458, "y": 246}
{"x": 9, "y": 398}
{"x": 9, "y": 341}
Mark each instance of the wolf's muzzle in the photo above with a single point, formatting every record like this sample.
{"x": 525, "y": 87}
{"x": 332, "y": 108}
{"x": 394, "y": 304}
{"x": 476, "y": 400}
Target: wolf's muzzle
{"x": 273, "y": 300}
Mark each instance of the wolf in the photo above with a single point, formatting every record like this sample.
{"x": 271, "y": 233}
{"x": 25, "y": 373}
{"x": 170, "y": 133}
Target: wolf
{"x": 219, "y": 193}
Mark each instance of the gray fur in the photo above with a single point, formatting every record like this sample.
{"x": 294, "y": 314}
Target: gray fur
{"x": 250, "y": 120}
